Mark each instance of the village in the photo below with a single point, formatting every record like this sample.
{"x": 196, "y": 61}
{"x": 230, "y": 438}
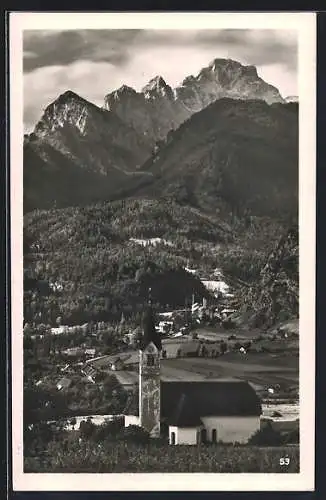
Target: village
{"x": 199, "y": 343}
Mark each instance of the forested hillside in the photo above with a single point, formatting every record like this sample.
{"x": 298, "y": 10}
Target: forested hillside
{"x": 93, "y": 262}
{"x": 275, "y": 295}
{"x": 88, "y": 252}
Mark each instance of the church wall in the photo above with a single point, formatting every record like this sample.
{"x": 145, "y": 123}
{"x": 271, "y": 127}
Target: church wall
{"x": 231, "y": 429}
{"x": 131, "y": 420}
{"x": 183, "y": 435}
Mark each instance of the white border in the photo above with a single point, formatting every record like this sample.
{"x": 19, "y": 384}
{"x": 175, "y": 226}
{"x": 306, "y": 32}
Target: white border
{"x": 305, "y": 24}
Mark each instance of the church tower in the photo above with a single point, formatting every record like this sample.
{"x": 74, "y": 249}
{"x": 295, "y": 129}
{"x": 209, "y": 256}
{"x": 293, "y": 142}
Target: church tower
{"x": 149, "y": 375}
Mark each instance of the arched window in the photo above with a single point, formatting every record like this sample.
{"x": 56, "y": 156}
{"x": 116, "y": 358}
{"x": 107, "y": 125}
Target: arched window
{"x": 203, "y": 436}
{"x": 172, "y": 437}
{"x": 214, "y": 436}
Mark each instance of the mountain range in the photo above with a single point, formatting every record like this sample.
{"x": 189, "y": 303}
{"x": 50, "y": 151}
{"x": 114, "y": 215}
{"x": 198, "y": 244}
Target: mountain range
{"x": 158, "y": 108}
{"x": 79, "y": 153}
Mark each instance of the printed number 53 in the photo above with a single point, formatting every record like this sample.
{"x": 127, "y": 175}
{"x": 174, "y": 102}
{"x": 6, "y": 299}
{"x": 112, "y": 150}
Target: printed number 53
{"x": 284, "y": 461}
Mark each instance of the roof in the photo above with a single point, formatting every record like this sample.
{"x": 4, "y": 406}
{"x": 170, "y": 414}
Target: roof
{"x": 64, "y": 383}
{"x": 127, "y": 378}
{"x": 184, "y": 416}
{"x": 210, "y": 398}
{"x": 184, "y": 403}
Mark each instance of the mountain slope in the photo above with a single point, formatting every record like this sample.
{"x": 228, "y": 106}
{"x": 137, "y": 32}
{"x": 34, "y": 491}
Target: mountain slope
{"x": 157, "y": 108}
{"x": 275, "y": 295}
{"x": 90, "y": 253}
{"x": 238, "y": 157}
{"x": 78, "y": 153}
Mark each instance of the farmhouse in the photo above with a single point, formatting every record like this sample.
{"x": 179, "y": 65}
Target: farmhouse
{"x": 191, "y": 411}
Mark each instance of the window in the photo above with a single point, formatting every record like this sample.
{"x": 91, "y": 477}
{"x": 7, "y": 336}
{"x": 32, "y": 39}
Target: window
{"x": 214, "y": 435}
{"x": 150, "y": 360}
{"x": 172, "y": 437}
{"x": 203, "y": 436}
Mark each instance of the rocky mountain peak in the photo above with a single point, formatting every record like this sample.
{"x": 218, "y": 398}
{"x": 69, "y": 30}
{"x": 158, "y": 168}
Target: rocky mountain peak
{"x": 157, "y": 87}
{"x": 227, "y": 72}
{"x": 124, "y": 90}
{"x": 121, "y": 95}
{"x": 222, "y": 62}
{"x": 224, "y": 78}
{"x": 69, "y": 95}
{"x": 68, "y": 108}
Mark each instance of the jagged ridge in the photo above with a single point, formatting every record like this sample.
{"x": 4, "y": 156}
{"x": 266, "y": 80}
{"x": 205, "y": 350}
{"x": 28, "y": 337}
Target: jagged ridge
{"x": 158, "y": 108}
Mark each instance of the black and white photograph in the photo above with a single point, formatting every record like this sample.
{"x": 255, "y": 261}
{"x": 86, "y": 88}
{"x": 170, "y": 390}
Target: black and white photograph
{"x": 162, "y": 180}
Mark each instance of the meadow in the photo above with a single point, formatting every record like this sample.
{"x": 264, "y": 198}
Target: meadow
{"x": 115, "y": 457}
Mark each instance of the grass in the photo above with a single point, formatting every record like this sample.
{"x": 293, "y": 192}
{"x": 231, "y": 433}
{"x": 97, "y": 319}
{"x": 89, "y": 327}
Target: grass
{"x": 89, "y": 457}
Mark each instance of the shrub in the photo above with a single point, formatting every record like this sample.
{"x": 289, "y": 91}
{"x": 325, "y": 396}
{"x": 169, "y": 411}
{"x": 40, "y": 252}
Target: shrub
{"x": 267, "y": 436}
{"x": 108, "y": 430}
{"x": 292, "y": 437}
{"x": 87, "y": 428}
{"x": 134, "y": 434}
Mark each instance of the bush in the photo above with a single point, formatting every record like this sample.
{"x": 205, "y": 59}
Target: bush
{"x": 87, "y": 428}
{"x": 292, "y": 437}
{"x": 267, "y": 436}
{"x": 134, "y": 434}
{"x": 109, "y": 430}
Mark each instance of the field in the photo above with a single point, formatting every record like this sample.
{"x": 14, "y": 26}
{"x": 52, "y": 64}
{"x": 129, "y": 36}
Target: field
{"x": 261, "y": 369}
{"x": 269, "y": 363}
{"x": 87, "y": 457}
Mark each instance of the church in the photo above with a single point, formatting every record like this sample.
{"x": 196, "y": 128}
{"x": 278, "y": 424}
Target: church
{"x": 191, "y": 412}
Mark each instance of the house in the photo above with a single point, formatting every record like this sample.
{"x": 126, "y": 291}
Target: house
{"x": 165, "y": 326}
{"x": 63, "y": 384}
{"x": 117, "y": 364}
{"x": 89, "y": 371}
{"x": 127, "y": 379}
{"x": 90, "y": 352}
{"x": 191, "y": 411}
{"x": 74, "y": 352}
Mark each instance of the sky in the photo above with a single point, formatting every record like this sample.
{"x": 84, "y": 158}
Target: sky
{"x": 93, "y": 63}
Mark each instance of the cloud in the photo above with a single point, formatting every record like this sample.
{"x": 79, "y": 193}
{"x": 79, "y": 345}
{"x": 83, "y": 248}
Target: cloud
{"x": 93, "y": 63}
{"x": 52, "y": 48}
{"x": 119, "y": 46}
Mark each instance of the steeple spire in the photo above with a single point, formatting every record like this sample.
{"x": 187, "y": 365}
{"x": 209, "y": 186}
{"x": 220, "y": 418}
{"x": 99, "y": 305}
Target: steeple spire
{"x": 149, "y": 332}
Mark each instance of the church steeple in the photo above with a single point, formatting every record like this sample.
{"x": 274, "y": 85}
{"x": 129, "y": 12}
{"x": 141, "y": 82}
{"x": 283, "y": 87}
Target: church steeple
{"x": 149, "y": 332}
{"x": 149, "y": 374}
